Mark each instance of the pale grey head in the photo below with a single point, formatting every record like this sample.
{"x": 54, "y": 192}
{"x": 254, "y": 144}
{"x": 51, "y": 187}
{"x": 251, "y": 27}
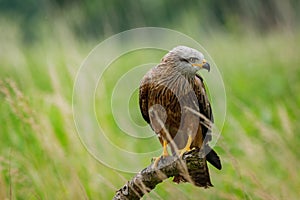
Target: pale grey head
{"x": 187, "y": 60}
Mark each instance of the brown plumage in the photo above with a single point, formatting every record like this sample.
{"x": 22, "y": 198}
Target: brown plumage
{"x": 169, "y": 93}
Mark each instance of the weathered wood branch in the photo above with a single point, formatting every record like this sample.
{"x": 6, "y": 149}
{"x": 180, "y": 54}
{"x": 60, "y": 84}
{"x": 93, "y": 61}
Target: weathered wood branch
{"x": 191, "y": 168}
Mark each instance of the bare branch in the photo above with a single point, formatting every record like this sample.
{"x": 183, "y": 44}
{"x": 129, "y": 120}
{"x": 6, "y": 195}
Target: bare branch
{"x": 170, "y": 166}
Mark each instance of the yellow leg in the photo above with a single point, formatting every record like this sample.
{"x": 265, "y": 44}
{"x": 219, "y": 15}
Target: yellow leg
{"x": 187, "y": 146}
{"x": 165, "y": 150}
{"x": 164, "y": 154}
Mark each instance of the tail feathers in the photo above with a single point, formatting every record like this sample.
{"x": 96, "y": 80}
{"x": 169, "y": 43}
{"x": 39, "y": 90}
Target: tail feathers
{"x": 213, "y": 158}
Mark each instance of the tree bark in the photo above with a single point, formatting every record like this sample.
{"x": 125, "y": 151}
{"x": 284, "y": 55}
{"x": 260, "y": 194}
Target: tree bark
{"x": 170, "y": 166}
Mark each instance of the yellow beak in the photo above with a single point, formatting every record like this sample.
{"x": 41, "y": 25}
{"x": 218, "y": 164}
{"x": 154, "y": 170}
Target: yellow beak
{"x": 204, "y": 65}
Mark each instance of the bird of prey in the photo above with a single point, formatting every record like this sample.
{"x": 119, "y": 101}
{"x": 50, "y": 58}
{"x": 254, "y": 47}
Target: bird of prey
{"x": 173, "y": 100}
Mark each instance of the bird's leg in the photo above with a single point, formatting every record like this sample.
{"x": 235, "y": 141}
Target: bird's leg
{"x": 187, "y": 146}
{"x": 164, "y": 154}
{"x": 165, "y": 150}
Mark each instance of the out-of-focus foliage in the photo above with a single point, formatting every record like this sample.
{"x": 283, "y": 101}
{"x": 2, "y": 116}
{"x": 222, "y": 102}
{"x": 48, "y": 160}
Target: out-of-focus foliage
{"x": 97, "y": 18}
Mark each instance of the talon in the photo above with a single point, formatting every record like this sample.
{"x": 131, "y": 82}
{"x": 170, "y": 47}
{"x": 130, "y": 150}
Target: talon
{"x": 187, "y": 147}
{"x": 164, "y": 154}
{"x": 153, "y": 159}
{"x": 157, "y": 159}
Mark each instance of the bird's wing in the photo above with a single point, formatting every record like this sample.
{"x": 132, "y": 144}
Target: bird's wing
{"x": 205, "y": 109}
{"x": 143, "y": 96}
{"x": 204, "y": 106}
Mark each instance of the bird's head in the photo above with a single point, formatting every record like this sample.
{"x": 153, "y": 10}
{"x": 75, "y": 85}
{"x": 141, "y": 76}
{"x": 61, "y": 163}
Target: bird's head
{"x": 187, "y": 59}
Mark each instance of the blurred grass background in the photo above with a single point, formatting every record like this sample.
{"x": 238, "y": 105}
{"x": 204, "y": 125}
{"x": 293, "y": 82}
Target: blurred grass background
{"x": 254, "y": 43}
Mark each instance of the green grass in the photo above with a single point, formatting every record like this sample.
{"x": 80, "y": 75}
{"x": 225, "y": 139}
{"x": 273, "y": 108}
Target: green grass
{"x": 41, "y": 156}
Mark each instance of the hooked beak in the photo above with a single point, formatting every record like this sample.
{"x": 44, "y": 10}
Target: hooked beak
{"x": 204, "y": 65}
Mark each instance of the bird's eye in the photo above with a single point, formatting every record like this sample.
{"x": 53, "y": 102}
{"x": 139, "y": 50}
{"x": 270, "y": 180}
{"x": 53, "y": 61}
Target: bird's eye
{"x": 193, "y": 60}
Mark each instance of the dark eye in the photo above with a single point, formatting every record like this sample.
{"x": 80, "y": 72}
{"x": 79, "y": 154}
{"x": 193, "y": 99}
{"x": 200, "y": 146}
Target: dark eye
{"x": 193, "y": 60}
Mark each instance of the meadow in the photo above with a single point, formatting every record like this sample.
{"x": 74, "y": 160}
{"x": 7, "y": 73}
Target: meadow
{"x": 42, "y": 157}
